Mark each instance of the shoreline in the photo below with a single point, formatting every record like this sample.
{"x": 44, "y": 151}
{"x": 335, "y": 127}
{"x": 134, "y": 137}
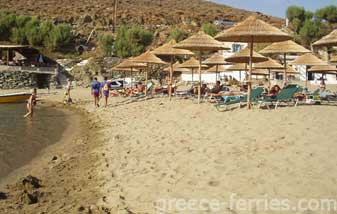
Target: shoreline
{"x": 62, "y": 168}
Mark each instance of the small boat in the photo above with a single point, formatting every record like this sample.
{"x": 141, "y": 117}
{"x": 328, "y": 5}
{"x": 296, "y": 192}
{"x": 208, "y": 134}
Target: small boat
{"x": 15, "y": 97}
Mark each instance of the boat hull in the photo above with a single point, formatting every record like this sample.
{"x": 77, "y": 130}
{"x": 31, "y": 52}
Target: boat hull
{"x": 14, "y": 98}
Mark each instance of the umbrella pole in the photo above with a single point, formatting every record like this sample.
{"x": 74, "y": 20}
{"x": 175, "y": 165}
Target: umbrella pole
{"x": 285, "y": 69}
{"x": 240, "y": 75}
{"x": 306, "y": 77}
{"x": 171, "y": 78}
{"x": 199, "y": 86}
{"x": 249, "y": 100}
{"x": 269, "y": 84}
{"x": 147, "y": 71}
{"x": 131, "y": 78}
{"x": 192, "y": 75}
{"x": 216, "y": 73}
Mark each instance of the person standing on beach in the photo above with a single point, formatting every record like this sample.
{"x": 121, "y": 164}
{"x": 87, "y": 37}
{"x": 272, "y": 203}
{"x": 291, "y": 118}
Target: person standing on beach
{"x": 96, "y": 91}
{"x": 105, "y": 86}
{"x": 30, "y": 104}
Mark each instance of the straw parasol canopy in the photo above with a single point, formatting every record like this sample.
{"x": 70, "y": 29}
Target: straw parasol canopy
{"x": 148, "y": 58}
{"x": 168, "y": 50}
{"x": 328, "y": 40}
{"x": 285, "y": 47}
{"x": 200, "y": 42}
{"x": 192, "y": 64}
{"x": 323, "y": 69}
{"x": 129, "y": 66}
{"x": 269, "y": 64}
{"x": 260, "y": 72}
{"x": 116, "y": 68}
{"x": 252, "y": 30}
{"x": 216, "y": 60}
{"x": 238, "y": 67}
{"x": 216, "y": 69}
{"x": 308, "y": 59}
{"x": 177, "y": 68}
{"x": 243, "y": 56}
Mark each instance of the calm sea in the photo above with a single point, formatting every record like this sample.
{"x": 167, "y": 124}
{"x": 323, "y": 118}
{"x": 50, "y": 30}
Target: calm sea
{"x": 21, "y": 139}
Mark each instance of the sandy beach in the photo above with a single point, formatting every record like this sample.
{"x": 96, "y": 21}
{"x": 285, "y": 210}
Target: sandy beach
{"x": 130, "y": 156}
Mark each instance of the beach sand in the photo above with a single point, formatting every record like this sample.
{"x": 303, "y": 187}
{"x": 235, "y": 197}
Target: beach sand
{"x": 144, "y": 152}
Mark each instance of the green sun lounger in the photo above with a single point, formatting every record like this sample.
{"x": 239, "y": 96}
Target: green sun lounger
{"x": 227, "y": 101}
{"x": 286, "y": 95}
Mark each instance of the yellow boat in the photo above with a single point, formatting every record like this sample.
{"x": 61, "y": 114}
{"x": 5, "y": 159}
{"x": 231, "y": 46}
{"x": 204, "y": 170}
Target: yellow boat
{"x": 14, "y": 97}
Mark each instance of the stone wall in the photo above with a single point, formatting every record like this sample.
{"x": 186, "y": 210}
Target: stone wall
{"x": 16, "y": 79}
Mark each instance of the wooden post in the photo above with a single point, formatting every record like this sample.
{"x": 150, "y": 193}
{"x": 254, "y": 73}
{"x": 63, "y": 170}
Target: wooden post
{"x": 269, "y": 84}
{"x": 147, "y": 71}
{"x": 192, "y": 75}
{"x": 216, "y": 73}
{"x": 199, "y": 86}
{"x": 249, "y": 95}
{"x": 171, "y": 78}
{"x": 131, "y": 77}
{"x": 306, "y": 76}
{"x": 285, "y": 69}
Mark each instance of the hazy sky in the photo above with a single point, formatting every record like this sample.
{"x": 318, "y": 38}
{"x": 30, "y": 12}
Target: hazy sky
{"x": 276, "y": 7}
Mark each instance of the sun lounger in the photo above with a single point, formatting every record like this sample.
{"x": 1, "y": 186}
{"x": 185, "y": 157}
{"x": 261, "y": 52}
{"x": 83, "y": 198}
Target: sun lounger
{"x": 227, "y": 101}
{"x": 286, "y": 95}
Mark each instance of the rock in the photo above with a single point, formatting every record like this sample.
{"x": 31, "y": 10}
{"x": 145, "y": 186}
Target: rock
{"x": 3, "y": 196}
{"x": 54, "y": 158}
{"x": 30, "y": 198}
{"x": 87, "y": 19}
{"x": 31, "y": 182}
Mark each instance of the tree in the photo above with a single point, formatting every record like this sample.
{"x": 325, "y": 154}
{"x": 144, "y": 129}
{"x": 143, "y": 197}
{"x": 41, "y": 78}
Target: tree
{"x": 18, "y": 36}
{"x": 60, "y": 37}
{"x": 312, "y": 30}
{"x": 178, "y": 35}
{"x": 210, "y": 29}
{"x": 295, "y": 12}
{"x": 328, "y": 13}
{"x": 132, "y": 41}
{"x": 106, "y": 42}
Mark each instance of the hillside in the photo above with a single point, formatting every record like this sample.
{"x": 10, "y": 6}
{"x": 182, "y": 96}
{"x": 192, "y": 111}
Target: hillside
{"x": 86, "y": 15}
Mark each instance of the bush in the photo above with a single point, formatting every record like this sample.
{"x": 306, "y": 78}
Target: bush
{"x": 132, "y": 41}
{"x": 178, "y": 35}
{"x": 210, "y": 29}
{"x": 106, "y": 42}
{"x": 59, "y": 37}
{"x": 18, "y": 36}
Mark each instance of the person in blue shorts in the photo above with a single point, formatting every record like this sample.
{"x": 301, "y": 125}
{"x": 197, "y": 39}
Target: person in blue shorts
{"x": 105, "y": 87}
{"x": 96, "y": 91}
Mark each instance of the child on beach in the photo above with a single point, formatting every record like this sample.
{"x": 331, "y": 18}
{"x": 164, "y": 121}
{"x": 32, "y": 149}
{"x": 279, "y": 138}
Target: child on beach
{"x": 95, "y": 91}
{"x": 105, "y": 86}
{"x": 30, "y": 104}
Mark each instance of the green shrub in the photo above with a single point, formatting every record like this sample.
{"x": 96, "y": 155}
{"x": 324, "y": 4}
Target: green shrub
{"x": 178, "y": 35}
{"x": 18, "y": 36}
{"x": 106, "y": 42}
{"x": 59, "y": 37}
{"x": 210, "y": 29}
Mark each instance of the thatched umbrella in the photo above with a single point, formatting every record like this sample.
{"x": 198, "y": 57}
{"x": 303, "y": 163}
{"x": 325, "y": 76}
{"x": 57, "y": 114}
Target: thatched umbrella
{"x": 168, "y": 50}
{"x": 238, "y": 67}
{"x": 148, "y": 58}
{"x": 252, "y": 30}
{"x": 269, "y": 64}
{"x": 243, "y": 56}
{"x": 200, "y": 42}
{"x": 129, "y": 65}
{"x": 285, "y": 47}
{"x": 215, "y": 60}
{"x": 308, "y": 59}
{"x": 176, "y": 68}
{"x": 323, "y": 69}
{"x": 328, "y": 40}
{"x": 192, "y": 64}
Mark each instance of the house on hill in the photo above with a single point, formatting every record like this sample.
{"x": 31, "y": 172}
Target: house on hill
{"x": 23, "y": 66}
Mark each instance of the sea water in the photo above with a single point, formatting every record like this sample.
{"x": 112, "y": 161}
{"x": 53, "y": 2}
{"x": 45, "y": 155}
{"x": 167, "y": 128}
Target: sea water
{"x": 22, "y": 138}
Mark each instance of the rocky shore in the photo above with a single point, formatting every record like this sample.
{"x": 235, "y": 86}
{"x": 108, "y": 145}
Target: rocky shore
{"x": 16, "y": 79}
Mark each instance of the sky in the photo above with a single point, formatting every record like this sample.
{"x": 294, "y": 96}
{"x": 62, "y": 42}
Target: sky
{"x": 276, "y": 7}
